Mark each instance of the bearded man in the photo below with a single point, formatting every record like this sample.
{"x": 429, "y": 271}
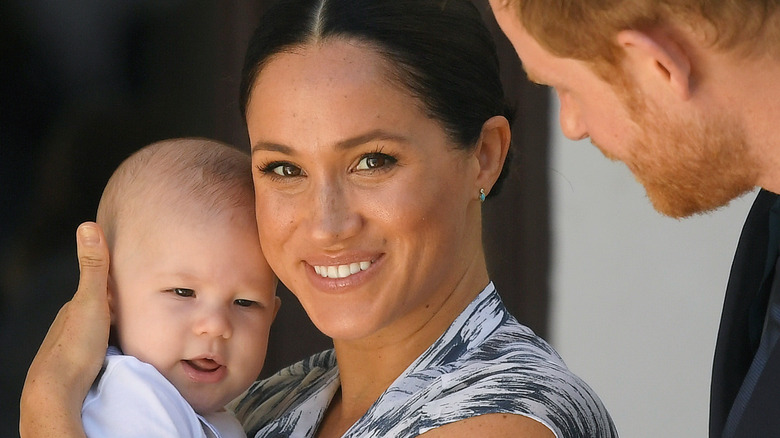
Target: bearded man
{"x": 685, "y": 93}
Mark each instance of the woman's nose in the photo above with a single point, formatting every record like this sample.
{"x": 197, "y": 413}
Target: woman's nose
{"x": 333, "y": 214}
{"x": 570, "y": 116}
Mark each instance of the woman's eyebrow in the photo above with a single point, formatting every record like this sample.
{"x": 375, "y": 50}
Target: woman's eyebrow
{"x": 270, "y": 146}
{"x": 377, "y": 134}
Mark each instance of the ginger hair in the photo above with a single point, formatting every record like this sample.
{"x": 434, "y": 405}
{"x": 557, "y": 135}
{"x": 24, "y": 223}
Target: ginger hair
{"x": 586, "y": 29}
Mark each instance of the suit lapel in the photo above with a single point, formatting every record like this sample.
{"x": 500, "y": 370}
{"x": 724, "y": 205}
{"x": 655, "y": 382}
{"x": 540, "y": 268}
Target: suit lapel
{"x": 734, "y": 350}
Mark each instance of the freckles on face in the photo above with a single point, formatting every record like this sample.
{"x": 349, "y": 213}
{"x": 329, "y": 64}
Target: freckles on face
{"x": 348, "y": 171}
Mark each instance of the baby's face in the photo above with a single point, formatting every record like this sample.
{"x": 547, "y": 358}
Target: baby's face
{"x": 195, "y": 298}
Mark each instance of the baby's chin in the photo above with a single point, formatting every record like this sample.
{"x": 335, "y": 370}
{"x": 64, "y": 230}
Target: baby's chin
{"x": 209, "y": 399}
{"x": 206, "y": 408}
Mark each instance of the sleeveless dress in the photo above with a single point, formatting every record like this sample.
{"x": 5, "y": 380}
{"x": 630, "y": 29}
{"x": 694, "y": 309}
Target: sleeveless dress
{"x": 486, "y": 362}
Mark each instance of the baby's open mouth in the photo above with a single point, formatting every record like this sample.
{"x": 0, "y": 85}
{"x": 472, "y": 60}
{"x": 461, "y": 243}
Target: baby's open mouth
{"x": 204, "y": 365}
{"x": 204, "y": 370}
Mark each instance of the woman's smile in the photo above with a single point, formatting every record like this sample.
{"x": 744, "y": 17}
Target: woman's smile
{"x": 366, "y": 208}
{"x": 342, "y": 271}
{"x": 343, "y": 277}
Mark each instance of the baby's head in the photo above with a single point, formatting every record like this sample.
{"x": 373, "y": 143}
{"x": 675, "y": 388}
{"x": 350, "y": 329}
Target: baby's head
{"x": 190, "y": 291}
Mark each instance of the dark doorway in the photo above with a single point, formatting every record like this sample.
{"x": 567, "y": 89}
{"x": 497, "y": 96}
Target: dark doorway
{"x": 84, "y": 84}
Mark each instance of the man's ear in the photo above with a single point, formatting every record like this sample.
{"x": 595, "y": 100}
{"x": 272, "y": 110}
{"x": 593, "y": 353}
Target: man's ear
{"x": 656, "y": 56}
{"x": 491, "y": 151}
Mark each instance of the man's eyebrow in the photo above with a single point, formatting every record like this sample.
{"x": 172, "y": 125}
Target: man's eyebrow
{"x": 377, "y": 134}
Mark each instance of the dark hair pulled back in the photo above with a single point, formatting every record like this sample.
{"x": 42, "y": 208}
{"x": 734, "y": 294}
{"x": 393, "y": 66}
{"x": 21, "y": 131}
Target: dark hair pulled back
{"x": 440, "y": 50}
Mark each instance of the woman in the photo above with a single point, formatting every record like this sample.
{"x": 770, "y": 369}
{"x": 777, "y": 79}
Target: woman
{"x": 377, "y": 130}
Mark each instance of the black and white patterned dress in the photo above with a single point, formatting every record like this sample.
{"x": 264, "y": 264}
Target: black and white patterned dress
{"x": 486, "y": 362}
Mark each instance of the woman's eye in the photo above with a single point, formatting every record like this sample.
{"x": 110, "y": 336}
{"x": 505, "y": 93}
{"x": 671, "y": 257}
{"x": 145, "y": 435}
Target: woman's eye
{"x": 375, "y": 161}
{"x": 285, "y": 169}
{"x": 182, "y": 292}
{"x": 244, "y": 303}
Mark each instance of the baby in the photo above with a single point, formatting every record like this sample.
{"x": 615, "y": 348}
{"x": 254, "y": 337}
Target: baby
{"x": 191, "y": 295}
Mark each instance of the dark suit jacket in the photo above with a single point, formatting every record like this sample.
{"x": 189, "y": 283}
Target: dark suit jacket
{"x": 743, "y": 312}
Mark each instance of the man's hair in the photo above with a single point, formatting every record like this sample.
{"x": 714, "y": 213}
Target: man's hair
{"x": 587, "y": 29}
{"x": 176, "y": 174}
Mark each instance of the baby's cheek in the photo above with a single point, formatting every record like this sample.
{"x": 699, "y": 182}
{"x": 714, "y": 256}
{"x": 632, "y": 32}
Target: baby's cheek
{"x": 252, "y": 352}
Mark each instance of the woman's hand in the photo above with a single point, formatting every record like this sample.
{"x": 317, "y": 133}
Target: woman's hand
{"x": 72, "y": 353}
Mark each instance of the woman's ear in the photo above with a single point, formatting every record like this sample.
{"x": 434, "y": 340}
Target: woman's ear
{"x": 658, "y": 57}
{"x": 491, "y": 151}
{"x": 277, "y": 305}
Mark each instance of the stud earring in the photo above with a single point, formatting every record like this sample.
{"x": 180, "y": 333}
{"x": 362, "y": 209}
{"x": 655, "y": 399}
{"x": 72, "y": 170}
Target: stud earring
{"x": 482, "y": 195}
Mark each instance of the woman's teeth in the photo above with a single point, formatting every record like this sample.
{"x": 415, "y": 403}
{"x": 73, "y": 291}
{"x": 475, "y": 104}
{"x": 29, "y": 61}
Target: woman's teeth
{"x": 341, "y": 271}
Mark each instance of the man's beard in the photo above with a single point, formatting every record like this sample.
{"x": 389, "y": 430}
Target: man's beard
{"x": 689, "y": 166}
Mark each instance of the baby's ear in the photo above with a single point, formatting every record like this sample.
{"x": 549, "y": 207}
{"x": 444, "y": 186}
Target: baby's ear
{"x": 111, "y": 298}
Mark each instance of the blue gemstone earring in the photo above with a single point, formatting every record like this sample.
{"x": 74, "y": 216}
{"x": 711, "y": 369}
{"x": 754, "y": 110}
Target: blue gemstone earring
{"x": 482, "y": 195}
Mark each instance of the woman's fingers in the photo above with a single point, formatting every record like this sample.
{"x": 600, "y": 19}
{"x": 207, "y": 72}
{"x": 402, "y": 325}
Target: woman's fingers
{"x": 72, "y": 352}
{"x": 79, "y": 335}
{"x": 93, "y": 267}
{"x": 87, "y": 333}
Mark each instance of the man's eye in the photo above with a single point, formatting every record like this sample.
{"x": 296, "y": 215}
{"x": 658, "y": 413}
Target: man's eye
{"x": 244, "y": 303}
{"x": 375, "y": 161}
{"x": 182, "y": 292}
{"x": 286, "y": 170}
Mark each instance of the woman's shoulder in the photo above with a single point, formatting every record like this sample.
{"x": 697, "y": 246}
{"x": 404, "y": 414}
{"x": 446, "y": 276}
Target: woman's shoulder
{"x": 515, "y": 371}
{"x": 489, "y": 363}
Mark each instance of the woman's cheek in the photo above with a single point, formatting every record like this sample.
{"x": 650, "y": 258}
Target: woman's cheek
{"x": 275, "y": 221}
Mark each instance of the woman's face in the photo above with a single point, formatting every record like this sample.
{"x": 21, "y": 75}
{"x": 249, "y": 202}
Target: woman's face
{"x": 366, "y": 209}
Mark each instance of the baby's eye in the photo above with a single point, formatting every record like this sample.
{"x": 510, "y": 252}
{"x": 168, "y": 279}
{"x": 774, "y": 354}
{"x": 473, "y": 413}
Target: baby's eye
{"x": 375, "y": 161}
{"x": 285, "y": 169}
{"x": 244, "y": 303}
{"x": 183, "y": 292}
